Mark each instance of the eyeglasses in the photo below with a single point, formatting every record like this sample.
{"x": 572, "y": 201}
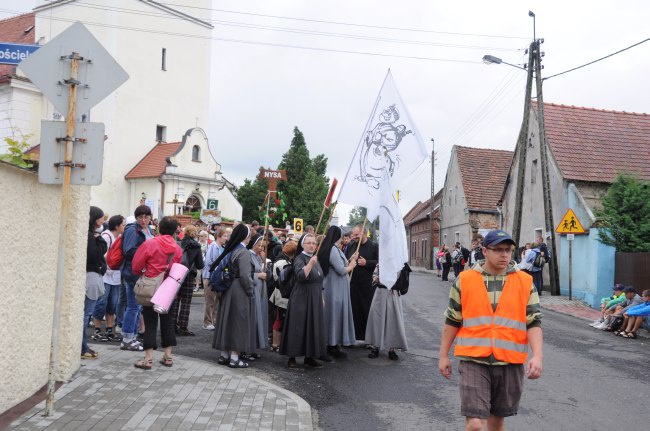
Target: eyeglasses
{"x": 143, "y": 217}
{"x": 500, "y": 250}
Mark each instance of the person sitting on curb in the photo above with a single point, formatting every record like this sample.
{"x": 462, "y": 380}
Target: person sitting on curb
{"x": 631, "y": 299}
{"x": 617, "y": 297}
{"x": 636, "y": 316}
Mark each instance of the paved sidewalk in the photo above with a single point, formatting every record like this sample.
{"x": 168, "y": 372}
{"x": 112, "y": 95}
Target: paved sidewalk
{"x": 110, "y": 393}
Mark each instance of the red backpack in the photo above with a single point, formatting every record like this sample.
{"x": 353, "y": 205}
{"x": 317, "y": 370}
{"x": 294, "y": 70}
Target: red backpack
{"x": 115, "y": 255}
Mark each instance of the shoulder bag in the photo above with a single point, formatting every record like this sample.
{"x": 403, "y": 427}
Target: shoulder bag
{"x": 146, "y": 287}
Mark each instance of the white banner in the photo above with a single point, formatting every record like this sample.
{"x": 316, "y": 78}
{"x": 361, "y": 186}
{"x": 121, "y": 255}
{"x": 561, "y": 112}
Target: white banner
{"x": 390, "y": 143}
{"x": 393, "y": 249}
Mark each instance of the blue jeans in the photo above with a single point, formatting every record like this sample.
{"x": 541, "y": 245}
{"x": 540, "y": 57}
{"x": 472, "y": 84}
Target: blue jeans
{"x": 89, "y": 306}
{"x": 131, "y": 314}
{"x": 107, "y": 304}
{"x": 121, "y": 306}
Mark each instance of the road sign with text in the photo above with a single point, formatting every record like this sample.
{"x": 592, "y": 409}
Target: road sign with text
{"x": 14, "y": 53}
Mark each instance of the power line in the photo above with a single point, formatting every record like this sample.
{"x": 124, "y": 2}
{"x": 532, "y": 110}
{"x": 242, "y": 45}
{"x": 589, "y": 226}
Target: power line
{"x": 290, "y": 30}
{"x": 280, "y": 45}
{"x": 484, "y": 105}
{"x": 595, "y": 61}
{"x": 345, "y": 23}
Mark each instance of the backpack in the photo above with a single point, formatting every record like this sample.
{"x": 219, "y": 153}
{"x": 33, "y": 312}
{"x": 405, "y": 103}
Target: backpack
{"x": 402, "y": 283}
{"x": 115, "y": 254}
{"x": 539, "y": 260}
{"x": 221, "y": 278}
{"x": 286, "y": 280}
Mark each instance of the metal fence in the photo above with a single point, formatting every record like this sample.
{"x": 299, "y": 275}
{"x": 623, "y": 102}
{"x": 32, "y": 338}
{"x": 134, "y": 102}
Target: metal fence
{"x": 633, "y": 269}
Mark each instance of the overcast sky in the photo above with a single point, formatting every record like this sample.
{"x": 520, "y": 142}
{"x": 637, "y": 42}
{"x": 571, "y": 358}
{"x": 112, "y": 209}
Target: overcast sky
{"x": 261, "y": 91}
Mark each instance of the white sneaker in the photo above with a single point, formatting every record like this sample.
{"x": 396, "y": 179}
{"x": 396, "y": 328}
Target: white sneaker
{"x": 208, "y": 327}
{"x": 596, "y": 322}
{"x": 601, "y": 325}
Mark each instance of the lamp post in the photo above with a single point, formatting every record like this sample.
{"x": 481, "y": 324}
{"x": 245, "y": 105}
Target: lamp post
{"x": 490, "y": 59}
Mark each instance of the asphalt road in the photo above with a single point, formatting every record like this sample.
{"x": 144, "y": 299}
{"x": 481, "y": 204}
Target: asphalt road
{"x": 592, "y": 380}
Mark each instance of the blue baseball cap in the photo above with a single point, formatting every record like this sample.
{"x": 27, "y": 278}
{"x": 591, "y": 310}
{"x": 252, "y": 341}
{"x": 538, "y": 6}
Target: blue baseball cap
{"x": 618, "y": 286}
{"x": 495, "y": 237}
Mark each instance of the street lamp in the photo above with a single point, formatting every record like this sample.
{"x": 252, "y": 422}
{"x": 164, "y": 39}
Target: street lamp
{"x": 490, "y": 59}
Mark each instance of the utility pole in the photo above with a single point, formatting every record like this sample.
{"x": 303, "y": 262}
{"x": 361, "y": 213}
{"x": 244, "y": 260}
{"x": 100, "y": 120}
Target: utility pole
{"x": 433, "y": 205}
{"x": 522, "y": 147}
{"x": 546, "y": 184}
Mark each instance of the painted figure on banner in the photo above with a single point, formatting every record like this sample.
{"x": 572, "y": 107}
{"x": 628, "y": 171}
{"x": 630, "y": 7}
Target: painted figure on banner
{"x": 380, "y": 144}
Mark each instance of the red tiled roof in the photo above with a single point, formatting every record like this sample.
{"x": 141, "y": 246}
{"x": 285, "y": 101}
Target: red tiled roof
{"x": 483, "y": 174}
{"x": 17, "y": 29}
{"x": 153, "y": 164}
{"x": 421, "y": 209}
{"x": 594, "y": 145}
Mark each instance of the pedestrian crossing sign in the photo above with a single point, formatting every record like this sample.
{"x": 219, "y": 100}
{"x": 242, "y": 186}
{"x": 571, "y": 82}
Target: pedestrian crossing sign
{"x": 570, "y": 224}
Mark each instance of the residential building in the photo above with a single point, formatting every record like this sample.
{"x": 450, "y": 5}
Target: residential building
{"x": 418, "y": 223}
{"x": 587, "y": 149}
{"x": 473, "y": 185}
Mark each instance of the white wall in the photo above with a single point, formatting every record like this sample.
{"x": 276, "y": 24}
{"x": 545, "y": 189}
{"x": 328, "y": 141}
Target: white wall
{"x": 20, "y": 112}
{"x": 28, "y": 265}
{"x": 176, "y": 98}
{"x": 452, "y": 215}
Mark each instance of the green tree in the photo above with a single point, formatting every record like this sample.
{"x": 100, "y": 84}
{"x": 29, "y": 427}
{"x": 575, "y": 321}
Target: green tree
{"x": 625, "y": 215}
{"x": 250, "y": 196}
{"x": 306, "y": 186}
{"x": 302, "y": 195}
{"x": 357, "y": 216}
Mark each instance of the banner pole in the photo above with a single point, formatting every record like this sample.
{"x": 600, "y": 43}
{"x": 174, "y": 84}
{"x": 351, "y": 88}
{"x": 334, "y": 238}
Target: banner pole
{"x": 333, "y": 206}
{"x": 363, "y": 232}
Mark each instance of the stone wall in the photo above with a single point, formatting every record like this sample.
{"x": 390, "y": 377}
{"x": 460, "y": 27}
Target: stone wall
{"x": 29, "y": 247}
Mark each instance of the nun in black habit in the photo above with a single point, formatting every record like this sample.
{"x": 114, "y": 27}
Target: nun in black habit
{"x": 234, "y": 327}
{"x": 304, "y": 326}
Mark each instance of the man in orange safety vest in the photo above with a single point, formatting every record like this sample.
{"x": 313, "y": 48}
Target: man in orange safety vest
{"x": 494, "y": 316}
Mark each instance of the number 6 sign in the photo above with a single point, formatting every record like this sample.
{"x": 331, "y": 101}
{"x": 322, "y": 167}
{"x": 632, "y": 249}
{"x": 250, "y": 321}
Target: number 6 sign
{"x": 297, "y": 226}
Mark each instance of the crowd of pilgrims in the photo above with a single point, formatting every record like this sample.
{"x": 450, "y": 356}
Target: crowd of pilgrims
{"x": 337, "y": 299}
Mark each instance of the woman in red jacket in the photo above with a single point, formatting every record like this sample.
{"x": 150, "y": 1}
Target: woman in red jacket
{"x": 152, "y": 258}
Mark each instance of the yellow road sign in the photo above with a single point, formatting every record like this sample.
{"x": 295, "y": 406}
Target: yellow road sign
{"x": 570, "y": 224}
{"x": 297, "y": 226}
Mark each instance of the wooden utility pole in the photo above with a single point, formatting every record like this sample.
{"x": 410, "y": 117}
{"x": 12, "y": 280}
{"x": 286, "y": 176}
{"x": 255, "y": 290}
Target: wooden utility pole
{"x": 522, "y": 148}
{"x": 546, "y": 183}
{"x": 432, "y": 219}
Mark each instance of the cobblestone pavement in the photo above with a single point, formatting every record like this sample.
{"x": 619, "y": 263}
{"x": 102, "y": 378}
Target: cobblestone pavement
{"x": 109, "y": 393}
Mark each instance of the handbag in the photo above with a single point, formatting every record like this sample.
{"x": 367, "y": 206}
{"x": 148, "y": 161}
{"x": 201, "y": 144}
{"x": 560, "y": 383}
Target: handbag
{"x": 146, "y": 287}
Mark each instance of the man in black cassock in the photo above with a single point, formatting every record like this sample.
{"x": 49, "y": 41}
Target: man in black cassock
{"x": 361, "y": 288}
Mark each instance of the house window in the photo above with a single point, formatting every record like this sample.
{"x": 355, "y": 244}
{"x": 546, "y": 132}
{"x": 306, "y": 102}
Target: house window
{"x": 444, "y": 239}
{"x": 456, "y": 196}
{"x": 457, "y": 237}
{"x": 164, "y": 59}
{"x": 196, "y": 153}
{"x": 449, "y": 197}
{"x": 161, "y": 133}
{"x": 533, "y": 172}
{"x": 538, "y": 232}
{"x": 424, "y": 249}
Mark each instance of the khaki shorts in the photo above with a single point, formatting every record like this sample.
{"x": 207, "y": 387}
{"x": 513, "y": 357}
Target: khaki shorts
{"x": 490, "y": 389}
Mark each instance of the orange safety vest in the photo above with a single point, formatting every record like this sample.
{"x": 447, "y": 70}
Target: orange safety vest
{"x": 501, "y": 333}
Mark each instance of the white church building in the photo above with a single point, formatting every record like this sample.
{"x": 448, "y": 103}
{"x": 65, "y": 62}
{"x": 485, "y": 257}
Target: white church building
{"x": 156, "y": 151}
